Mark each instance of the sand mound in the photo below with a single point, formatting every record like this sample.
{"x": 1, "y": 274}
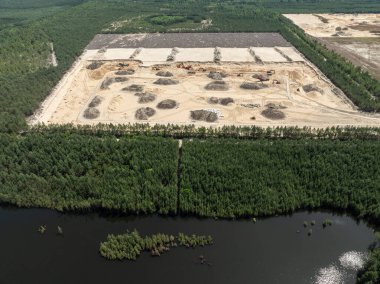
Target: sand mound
{"x": 222, "y": 101}
{"x": 145, "y": 97}
{"x": 134, "y": 88}
{"x": 167, "y": 104}
{"x": 217, "y": 86}
{"x": 125, "y": 72}
{"x": 253, "y": 86}
{"x": 162, "y": 81}
{"x": 204, "y": 115}
{"x": 312, "y": 88}
{"x": 164, "y": 74}
{"x": 109, "y": 81}
{"x": 95, "y": 65}
{"x": 273, "y": 114}
{"x": 91, "y": 113}
{"x": 275, "y": 106}
{"x": 144, "y": 113}
{"x": 95, "y": 101}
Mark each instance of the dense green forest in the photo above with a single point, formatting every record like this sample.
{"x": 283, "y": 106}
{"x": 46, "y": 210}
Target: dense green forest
{"x": 136, "y": 175}
{"x": 233, "y": 178}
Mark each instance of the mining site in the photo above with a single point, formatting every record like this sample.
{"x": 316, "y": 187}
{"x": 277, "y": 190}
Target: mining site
{"x": 202, "y": 79}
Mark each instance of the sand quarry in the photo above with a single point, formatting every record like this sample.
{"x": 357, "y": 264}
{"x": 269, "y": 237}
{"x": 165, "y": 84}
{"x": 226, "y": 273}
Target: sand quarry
{"x": 338, "y": 25}
{"x": 253, "y": 85}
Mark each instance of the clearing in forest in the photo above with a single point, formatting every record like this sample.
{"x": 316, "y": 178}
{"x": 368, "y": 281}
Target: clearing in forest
{"x": 202, "y": 79}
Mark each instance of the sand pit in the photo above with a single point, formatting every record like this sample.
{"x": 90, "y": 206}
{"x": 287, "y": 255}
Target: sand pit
{"x": 74, "y": 97}
{"x": 338, "y": 25}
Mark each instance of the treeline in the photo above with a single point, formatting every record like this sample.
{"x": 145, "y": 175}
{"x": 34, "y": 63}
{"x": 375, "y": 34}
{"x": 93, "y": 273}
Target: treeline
{"x": 77, "y": 172}
{"x": 235, "y": 178}
{"x": 370, "y": 274}
{"x": 192, "y": 131}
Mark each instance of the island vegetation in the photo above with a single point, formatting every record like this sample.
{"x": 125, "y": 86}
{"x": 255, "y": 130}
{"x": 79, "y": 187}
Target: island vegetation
{"x": 131, "y": 244}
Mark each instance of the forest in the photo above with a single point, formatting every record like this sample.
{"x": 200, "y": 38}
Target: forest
{"x": 235, "y": 178}
{"x": 78, "y": 172}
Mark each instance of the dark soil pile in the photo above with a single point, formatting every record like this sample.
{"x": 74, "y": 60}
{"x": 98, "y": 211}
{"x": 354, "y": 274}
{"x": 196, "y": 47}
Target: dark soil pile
{"x": 125, "y": 72}
{"x": 145, "y": 97}
{"x": 144, "y": 113}
{"x": 162, "y": 81}
{"x": 95, "y": 101}
{"x": 222, "y": 101}
{"x": 272, "y": 113}
{"x": 91, "y": 113}
{"x": 261, "y": 77}
{"x": 312, "y": 88}
{"x": 94, "y": 65}
{"x": 216, "y": 75}
{"x": 217, "y": 86}
{"x": 253, "y": 86}
{"x": 167, "y": 104}
{"x": 204, "y": 115}
{"x": 134, "y": 88}
{"x": 164, "y": 74}
{"x": 109, "y": 81}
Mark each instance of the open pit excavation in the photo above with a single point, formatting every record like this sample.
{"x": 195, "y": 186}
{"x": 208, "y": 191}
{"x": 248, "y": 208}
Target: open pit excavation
{"x": 262, "y": 79}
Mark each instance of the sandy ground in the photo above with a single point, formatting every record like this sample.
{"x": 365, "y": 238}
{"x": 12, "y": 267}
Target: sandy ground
{"x": 318, "y": 109}
{"x": 268, "y": 54}
{"x": 236, "y": 54}
{"x": 338, "y": 25}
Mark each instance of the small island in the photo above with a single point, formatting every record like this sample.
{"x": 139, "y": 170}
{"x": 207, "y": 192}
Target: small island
{"x": 131, "y": 244}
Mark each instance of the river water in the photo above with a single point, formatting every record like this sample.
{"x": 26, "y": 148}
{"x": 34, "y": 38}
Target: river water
{"x": 268, "y": 251}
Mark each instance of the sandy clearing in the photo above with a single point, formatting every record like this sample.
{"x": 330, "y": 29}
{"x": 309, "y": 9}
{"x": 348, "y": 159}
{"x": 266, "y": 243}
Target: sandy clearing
{"x": 302, "y": 109}
{"x": 236, "y": 55}
{"x": 342, "y": 25}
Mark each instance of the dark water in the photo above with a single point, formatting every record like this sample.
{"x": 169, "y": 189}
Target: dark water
{"x": 270, "y": 251}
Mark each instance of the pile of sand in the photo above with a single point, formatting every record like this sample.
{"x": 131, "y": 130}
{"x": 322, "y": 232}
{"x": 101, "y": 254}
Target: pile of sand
{"x": 144, "y": 113}
{"x": 162, "y": 81}
{"x": 91, "y": 113}
{"x": 145, "y": 97}
{"x": 204, "y": 115}
{"x": 217, "y": 86}
{"x": 167, "y": 104}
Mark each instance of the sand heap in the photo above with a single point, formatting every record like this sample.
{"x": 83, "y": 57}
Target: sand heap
{"x": 222, "y": 101}
{"x": 253, "y": 86}
{"x": 110, "y": 80}
{"x": 95, "y": 101}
